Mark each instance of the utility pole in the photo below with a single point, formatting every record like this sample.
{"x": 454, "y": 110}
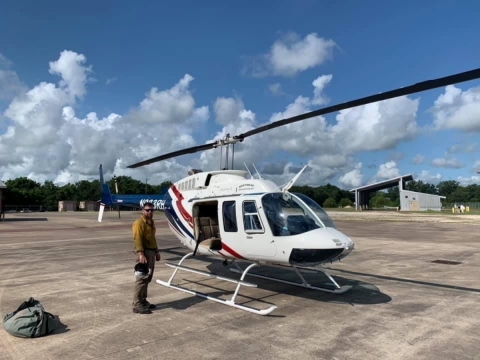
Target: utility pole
{"x": 146, "y": 185}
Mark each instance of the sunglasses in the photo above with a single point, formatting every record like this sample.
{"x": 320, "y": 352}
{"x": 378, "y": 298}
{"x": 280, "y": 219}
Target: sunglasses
{"x": 148, "y": 210}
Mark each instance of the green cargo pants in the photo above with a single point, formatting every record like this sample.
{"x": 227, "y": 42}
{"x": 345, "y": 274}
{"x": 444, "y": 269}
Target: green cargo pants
{"x": 141, "y": 282}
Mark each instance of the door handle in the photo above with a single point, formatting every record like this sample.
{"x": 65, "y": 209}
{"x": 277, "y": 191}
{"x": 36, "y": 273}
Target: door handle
{"x": 249, "y": 237}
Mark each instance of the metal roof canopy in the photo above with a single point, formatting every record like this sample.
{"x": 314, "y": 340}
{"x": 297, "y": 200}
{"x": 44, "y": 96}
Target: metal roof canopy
{"x": 382, "y": 185}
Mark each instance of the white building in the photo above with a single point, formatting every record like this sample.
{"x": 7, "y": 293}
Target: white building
{"x": 409, "y": 200}
{"x": 416, "y": 201}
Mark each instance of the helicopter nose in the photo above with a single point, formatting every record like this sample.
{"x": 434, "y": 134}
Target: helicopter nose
{"x": 321, "y": 246}
{"x": 340, "y": 239}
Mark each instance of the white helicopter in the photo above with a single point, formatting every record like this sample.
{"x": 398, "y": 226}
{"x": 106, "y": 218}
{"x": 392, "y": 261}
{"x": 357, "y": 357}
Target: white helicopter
{"x": 231, "y": 215}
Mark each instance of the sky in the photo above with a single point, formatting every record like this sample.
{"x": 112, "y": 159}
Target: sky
{"x": 114, "y": 83}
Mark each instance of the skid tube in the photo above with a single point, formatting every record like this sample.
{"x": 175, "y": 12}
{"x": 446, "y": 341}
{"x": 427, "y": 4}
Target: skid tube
{"x": 338, "y": 289}
{"x": 230, "y": 302}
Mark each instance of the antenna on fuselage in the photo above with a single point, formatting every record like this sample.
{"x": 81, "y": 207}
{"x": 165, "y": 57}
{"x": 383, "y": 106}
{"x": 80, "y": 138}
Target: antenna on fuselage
{"x": 221, "y": 153}
{"x": 257, "y": 171}
{"x": 226, "y": 152}
{"x": 251, "y": 176}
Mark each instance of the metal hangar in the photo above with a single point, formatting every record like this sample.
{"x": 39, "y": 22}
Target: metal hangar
{"x": 409, "y": 200}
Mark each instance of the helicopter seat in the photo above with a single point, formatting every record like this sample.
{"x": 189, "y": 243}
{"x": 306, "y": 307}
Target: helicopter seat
{"x": 209, "y": 233}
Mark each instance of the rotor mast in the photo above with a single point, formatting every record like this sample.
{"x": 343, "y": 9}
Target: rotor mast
{"x": 226, "y": 141}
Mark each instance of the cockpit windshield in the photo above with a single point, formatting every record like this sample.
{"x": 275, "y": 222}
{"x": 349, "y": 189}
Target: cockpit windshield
{"x": 317, "y": 209}
{"x": 288, "y": 215}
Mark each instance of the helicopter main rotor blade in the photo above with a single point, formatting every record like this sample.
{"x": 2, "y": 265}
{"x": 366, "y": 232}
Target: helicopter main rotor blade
{"x": 418, "y": 87}
{"x": 173, "y": 154}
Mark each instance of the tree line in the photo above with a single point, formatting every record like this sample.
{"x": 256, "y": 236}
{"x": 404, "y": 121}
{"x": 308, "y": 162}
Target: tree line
{"x": 24, "y": 192}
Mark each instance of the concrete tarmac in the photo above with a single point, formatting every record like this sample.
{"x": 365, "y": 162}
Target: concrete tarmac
{"x": 402, "y": 304}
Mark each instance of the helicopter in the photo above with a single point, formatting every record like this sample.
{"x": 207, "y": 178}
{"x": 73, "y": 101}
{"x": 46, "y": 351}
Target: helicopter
{"x": 229, "y": 214}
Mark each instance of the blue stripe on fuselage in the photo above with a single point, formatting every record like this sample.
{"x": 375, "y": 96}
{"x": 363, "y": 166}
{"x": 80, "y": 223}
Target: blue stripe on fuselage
{"x": 172, "y": 216}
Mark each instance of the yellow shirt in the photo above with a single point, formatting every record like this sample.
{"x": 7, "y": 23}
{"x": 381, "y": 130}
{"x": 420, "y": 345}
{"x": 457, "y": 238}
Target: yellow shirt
{"x": 144, "y": 234}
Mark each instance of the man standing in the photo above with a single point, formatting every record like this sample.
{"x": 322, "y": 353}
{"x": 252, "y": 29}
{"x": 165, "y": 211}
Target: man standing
{"x": 146, "y": 248}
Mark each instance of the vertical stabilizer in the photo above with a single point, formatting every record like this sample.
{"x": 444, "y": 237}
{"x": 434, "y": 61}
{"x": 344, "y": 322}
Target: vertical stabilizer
{"x": 101, "y": 175}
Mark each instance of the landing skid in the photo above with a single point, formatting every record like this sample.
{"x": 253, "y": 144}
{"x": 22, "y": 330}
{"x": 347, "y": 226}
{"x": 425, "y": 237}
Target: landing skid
{"x": 338, "y": 289}
{"x": 230, "y": 302}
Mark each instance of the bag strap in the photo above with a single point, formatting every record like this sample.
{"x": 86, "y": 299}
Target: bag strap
{"x": 26, "y": 304}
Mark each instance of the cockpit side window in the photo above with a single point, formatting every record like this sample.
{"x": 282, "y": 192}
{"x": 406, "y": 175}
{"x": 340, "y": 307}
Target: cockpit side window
{"x": 251, "y": 219}
{"x": 229, "y": 216}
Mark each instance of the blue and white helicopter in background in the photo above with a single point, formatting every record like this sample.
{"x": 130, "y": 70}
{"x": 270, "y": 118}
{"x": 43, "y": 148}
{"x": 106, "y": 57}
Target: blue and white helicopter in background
{"x": 130, "y": 200}
{"x": 230, "y": 214}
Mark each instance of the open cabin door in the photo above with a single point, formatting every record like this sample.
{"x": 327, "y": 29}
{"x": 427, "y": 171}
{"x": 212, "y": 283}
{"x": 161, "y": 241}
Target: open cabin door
{"x": 205, "y": 225}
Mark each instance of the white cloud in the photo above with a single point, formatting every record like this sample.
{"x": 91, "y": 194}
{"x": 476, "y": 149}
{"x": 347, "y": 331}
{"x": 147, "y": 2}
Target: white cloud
{"x": 319, "y": 85}
{"x": 427, "y": 177}
{"x": 457, "y": 109}
{"x": 74, "y": 74}
{"x": 464, "y": 181}
{"x": 448, "y": 163}
{"x": 387, "y": 171}
{"x": 377, "y": 126}
{"x": 10, "y": 84}
{"x": 164, "y": 106}
{"x": 418, "y": 159}
{"x": 51, "y": 142}
{"x": 353, "y": 178}
{"x": 461, "y": 148}
{"x": 476, "y": 166}
{"x": 229, "y": 110}
{"x": 275, "y": 89}
{"x": 291, "y": 55}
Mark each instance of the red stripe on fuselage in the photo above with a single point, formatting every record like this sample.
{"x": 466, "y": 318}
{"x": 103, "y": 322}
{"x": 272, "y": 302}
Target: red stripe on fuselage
{"x": 231, "y": 251}
{"x": 184, "y": 212}
{"x": 220, "y": 252}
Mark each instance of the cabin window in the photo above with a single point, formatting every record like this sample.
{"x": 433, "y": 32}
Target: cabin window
{"x": 229, "y": 216}
{"x": 251, "y": 219}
